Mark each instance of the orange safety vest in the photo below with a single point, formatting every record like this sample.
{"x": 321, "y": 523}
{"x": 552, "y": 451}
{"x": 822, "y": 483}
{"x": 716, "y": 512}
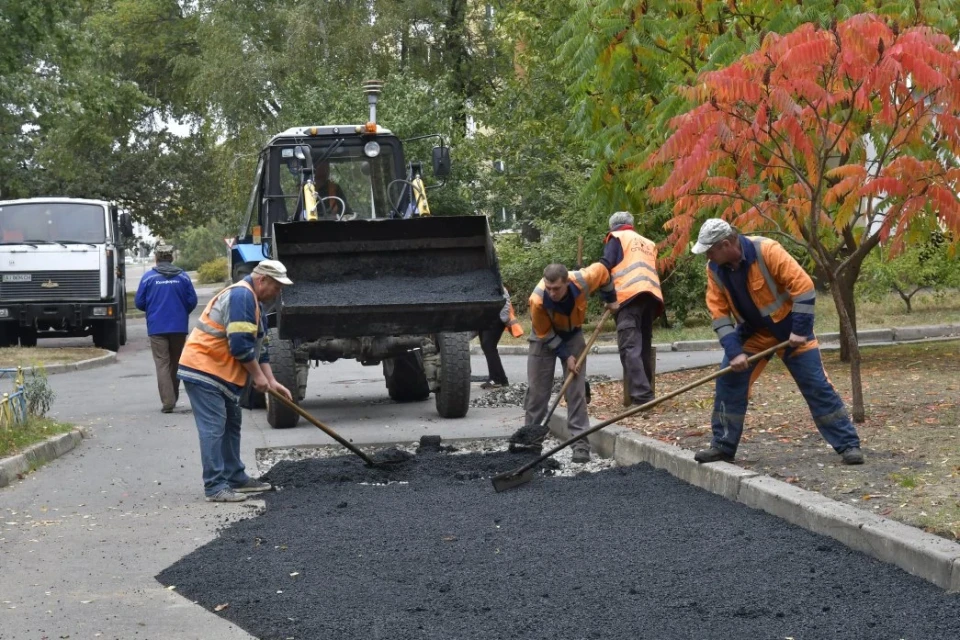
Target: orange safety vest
{"x": 776, "y": 282}
{"x": 208, "y": 347}
{"x": 546, "y": 322}
{"x": 636, "y": 273}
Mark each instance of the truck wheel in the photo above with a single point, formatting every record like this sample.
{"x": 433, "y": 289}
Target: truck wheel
{"x": 284, "y": 368}
{"x": 405, "y": 379}
{"x": 8, "y": 334}
{"x": 28, "y": 337}
{"x": 241, "y": 271}
{"x": 453, "y": 396}
{"x": 106, "y": 335}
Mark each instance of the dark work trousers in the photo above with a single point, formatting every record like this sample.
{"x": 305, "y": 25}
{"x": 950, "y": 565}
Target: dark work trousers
{"x": 634, "y": 339}
{"x": 489, "y": 338}
{"x": 166, "y": 349}
{"x": 541, "y": 364}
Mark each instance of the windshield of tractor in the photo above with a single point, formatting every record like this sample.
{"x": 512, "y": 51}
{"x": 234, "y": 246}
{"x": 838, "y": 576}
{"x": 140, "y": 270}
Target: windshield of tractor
{"x": 349, "y": 184}
{"x": 46, "y": 222}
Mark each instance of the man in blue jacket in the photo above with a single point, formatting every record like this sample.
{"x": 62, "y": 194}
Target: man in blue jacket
{"x": 167, "y": 296}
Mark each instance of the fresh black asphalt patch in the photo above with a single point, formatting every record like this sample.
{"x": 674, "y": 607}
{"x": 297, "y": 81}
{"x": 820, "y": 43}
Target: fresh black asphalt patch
{"x": 426, "y": 549}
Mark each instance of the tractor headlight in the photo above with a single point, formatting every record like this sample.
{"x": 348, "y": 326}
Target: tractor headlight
{"x": 372, "y": 149}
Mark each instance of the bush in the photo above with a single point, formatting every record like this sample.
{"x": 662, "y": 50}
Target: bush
{"x": 212, "y": 272}
{"x": 39, "y": 394}
{"x": 198, "y": 246}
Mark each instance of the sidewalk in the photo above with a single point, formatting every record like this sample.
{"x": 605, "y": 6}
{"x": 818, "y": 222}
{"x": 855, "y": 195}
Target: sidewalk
{"x": 828, "y": 341}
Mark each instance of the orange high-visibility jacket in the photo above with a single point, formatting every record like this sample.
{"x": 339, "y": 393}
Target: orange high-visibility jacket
{"x": 637, "y": 272}
{"x": 208, "y": 347}
{"x": 547, "y": 322}
{"x": 778, "y": 287}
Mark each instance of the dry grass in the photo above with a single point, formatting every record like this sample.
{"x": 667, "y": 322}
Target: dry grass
{"x": 11, "y": 357}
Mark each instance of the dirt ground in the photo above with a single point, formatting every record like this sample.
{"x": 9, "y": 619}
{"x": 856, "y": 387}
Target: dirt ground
{"x": 910, "y": 436}
{"x": 18, "y": 356}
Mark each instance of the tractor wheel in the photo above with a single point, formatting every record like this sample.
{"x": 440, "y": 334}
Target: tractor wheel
{"x": 453, "y": 396}
{"x": 405, "y": 379}
{"x": 284, "y": 368}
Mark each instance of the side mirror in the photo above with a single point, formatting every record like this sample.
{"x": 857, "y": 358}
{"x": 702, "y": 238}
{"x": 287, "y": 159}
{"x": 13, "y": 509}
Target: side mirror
{"x": 441, "y": 162}
{"x": 126, "y": 224}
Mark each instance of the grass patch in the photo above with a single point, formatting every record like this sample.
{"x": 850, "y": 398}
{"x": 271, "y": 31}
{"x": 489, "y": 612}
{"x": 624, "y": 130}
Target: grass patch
{"x": 16, "y": 438}
{"x": 12, "y": 357}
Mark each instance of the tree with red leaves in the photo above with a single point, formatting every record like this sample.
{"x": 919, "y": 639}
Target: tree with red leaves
{"x": 834, "y": 140}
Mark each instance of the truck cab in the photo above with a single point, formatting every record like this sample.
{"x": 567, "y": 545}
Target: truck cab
{"x": 62, "y": 271}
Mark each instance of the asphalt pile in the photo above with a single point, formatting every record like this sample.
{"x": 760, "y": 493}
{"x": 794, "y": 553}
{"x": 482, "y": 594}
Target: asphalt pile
{"x": 469, "y": 286}
{"x": 426, "y": 549}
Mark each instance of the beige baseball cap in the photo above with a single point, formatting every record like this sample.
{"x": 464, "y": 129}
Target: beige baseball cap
{"x": 713, "y": 231}
{"x": 273, "y": 269}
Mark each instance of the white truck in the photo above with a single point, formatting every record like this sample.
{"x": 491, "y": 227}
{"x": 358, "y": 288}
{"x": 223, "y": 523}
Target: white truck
{"x": 62, "y": 271}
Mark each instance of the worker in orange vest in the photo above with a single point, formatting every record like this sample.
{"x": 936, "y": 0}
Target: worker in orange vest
{"x": 489, "y": 338}
{"x": 558, "y": 309}
{"x": 632, "y": 262}
{"x": 758, "y": 297}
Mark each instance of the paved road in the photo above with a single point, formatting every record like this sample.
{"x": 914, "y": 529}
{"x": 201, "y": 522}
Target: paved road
{"x": 82, "y": 539}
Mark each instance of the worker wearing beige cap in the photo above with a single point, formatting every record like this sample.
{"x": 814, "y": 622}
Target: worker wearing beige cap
{"x": 759, "y": 296}
{"x": 227, "y": 351}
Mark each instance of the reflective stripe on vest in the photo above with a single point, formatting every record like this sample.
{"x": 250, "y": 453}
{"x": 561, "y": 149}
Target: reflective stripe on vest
{"x": 208, "y": 347}
{"x": 636, "y": 273}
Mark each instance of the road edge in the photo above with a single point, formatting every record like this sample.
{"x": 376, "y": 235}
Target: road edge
{"x": 37, "y": 455}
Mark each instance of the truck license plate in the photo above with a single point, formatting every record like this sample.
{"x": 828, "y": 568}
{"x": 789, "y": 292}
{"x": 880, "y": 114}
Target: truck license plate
{"x": 16, "y": 277}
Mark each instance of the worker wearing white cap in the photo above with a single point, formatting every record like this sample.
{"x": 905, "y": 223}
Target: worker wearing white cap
{"x": 227, "y": 351}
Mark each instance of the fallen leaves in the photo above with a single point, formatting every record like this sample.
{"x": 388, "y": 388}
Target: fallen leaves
{"x": 221, "y": 607}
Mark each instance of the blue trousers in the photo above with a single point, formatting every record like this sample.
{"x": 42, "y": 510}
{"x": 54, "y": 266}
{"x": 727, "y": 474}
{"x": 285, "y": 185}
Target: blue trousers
{"x": 827, "y": 408}
{"x": 218, "y": 424}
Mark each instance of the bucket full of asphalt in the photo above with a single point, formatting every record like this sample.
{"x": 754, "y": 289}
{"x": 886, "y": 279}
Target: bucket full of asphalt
{"x": 424, "y": 548}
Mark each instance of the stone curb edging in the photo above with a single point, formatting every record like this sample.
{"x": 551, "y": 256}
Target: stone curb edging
{"x": 867, "y": 336}
{"x": 922, "y": 554}
{"x": 83, "y": 365}
{"x": 39, "y": 454}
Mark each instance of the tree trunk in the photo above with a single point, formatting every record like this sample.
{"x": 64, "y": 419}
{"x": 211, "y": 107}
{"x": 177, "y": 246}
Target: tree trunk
{"x": 848, "y": 338}
{"x": 843, "y": 287}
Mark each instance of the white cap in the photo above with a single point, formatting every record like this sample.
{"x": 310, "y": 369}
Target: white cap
{"x": 273, "y": 269}
{"x": 713, "y": 231}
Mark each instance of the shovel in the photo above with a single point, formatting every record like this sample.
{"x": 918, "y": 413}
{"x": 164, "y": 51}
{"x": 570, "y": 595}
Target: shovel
{"x": 327, "y": 430}
{"x": 523, "y": 475}
{"x": 517, "y": 438}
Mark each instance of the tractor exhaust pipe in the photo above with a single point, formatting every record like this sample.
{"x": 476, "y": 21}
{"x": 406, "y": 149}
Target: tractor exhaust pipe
{"x": 373, "y": 89}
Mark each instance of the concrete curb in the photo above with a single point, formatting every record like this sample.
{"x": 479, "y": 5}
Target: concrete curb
{"x": 922, "y": 554}
{"x": 39, "y": 454}
{"x": 82, "y": 365}
{"x": 827, "y": 340}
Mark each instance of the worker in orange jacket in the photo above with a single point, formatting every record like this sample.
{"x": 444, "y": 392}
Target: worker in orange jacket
{"x": 632, "y": 261}
{"x": 490, "y": 338}
{"x": 756, "y": 283}
{"x": 558, "y": 309}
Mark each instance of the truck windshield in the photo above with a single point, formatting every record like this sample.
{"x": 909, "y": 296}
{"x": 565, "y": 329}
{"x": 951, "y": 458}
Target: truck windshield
{"x": 44, "y": 222}
{"x": 349, "y": 184}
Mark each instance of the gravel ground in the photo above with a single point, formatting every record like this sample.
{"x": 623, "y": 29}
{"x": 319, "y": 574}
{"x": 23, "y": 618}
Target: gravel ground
{"x": 428, "y": 550}
{"x": 470, "y": 286}
{"x": 512, "y": 395}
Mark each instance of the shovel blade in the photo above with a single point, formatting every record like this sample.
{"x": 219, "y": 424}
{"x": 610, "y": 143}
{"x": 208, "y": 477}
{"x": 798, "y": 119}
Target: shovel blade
{"x": 511, "y": 479}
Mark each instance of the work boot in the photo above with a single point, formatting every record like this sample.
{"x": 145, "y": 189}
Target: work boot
{"x": 166, "y": 410}
{"x": 853, "y": 455}
{"x": 492, "y": 384}
{"x": 581, "y": 455}
{"x": 712, "y": 455}
{"x": 253, "y": 486}
{"x": 226, "y": 495}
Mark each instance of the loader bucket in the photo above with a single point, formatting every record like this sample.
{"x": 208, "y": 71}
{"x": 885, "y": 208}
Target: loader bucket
{"x": 387, "y": 277}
